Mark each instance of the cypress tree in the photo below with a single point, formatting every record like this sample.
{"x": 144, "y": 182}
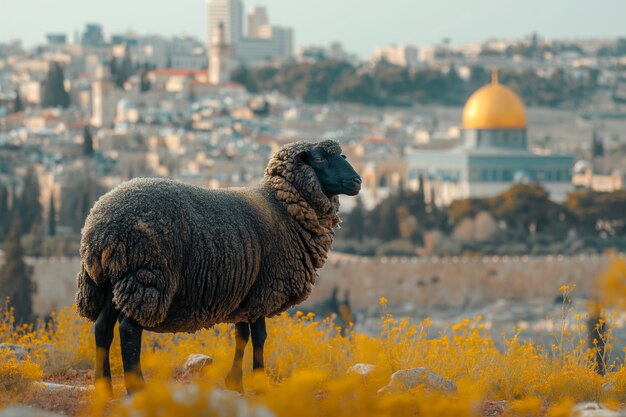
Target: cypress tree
{"x": 87, "y": 142}
{"x": 54, "y": 93}
{"x": 52, "y": 213}
{"x": 28, "y": 206}
{"x": 387, "y": 223}
{"x": 123, "y": 69}
{"x": 5, "y": 211}
{"x": 144, "y": 85}
{"x": 16, "y": 277}
{"x": 17, "y": 102}
{"x": 355, "y": 222}
{"x": 113, "y": 67}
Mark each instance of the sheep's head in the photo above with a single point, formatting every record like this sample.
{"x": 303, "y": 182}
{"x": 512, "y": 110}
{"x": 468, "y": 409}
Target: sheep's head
{"x": 334, "y": 173}
{"x": 315, "y": 173}
{"x": 310, "y": 166}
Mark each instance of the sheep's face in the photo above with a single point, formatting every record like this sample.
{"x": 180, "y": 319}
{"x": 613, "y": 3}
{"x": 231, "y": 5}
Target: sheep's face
{"x": 335, "y": 174}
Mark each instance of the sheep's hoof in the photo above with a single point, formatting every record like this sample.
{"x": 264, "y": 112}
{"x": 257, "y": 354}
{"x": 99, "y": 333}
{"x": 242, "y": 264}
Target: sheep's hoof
{"x": 234, "y": 382}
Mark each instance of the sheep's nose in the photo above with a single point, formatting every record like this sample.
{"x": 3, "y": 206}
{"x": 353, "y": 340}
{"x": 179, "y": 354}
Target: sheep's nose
{"x": 357, "y": 180}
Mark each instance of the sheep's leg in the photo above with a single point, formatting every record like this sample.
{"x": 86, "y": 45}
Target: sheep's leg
{"x": 258, "y": 335}
{"x": 103, "y": 330}
{"x": 130, "y": 340}
{"x": 234, "y": 379}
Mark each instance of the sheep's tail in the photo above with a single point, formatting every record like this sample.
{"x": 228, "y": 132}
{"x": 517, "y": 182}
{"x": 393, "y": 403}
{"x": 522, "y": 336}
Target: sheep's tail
{"x": 145, "y": 295}
{"x": 90, "y": 297}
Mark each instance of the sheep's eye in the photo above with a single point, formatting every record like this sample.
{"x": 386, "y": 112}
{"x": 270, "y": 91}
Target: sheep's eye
{"x": 344, "y": 157}
{"x": 318, "y": 159}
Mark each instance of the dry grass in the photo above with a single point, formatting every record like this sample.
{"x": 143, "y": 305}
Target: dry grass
{"x": 307, "y": 365}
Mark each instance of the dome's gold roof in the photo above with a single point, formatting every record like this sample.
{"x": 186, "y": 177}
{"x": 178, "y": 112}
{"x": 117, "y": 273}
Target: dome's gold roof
{"x": 494, "y": 106}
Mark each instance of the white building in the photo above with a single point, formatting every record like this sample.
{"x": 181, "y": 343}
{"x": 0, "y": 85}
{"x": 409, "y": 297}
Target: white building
{"x": 230, "y": 13}
{"x": 220, "y": 54}
{"x": 103, "y": 98}
{"x": 187, "y": 52}
{"x": 493, "y": 154}
{"x": 265, "y": 42}
{"x": 257, "y": 20}
{"x": 402, "y": 55}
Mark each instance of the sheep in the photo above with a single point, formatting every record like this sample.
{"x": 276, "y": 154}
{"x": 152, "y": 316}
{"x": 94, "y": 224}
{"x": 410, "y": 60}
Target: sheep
{"x": 164, "y": 256}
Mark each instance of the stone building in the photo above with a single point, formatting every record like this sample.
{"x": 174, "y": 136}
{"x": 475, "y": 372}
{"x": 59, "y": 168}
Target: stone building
{"x": 493, "y": 153}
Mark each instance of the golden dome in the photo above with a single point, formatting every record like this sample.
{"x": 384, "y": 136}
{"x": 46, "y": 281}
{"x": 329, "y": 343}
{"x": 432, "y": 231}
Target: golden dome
{"x": 494, "y": 106}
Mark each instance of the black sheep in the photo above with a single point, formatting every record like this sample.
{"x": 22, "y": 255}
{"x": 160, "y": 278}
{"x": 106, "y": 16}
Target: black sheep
{"x": 164, "y": 256}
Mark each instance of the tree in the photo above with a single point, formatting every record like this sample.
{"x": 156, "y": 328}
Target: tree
{"x": 597, "y": 211}
{"x": 18, "y": 106}
{"x": 468, "y": 208}
{"x": 87, "y": 142}
{"x": 240, "y": 75}
{"x": 28, "y": 206}
{"x": 16, "y": 277}
{"x": 121, "y": 70}
{"x": 144, "y": 84}
{"x": 54, "y": 93}
{"x": 385, "y": 219}
{"x": 597, "y": 144}
{"x": 52, "y": 213}
{"x": 354, "y": 224}
{"x": 5, "y": 211}
{"x": 524, "y": 206}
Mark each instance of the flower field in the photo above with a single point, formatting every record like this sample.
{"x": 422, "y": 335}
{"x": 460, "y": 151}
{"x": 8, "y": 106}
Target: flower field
{"x": 308, "y": 365}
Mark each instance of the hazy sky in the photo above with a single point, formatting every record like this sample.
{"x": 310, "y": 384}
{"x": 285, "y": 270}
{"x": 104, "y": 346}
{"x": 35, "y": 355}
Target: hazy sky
{"x": 360, "y": 25}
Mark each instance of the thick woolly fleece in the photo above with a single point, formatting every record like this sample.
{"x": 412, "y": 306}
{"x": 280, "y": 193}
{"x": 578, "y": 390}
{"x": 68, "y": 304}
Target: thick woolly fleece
{"x": 181, "y": 258}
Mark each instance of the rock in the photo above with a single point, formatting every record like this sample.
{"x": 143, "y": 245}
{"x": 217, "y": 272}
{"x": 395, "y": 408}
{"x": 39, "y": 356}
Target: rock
{"x": 228, "y": 403}
{"x": 195, "y": 363}
{"x": 362, "y": 368}
{"x": 48, "y": 349}
{"x": 54, "y": 387}
{"x": 493, "y": 408}
{"x": 485, "y": 227}
{"x": 24, "y": 411}
{"x": 594, "y": 410}
{"x": 19, "y": 351}
{"x": 608, "y": 386}
{"x": 407, "y": 379}
{"x": 217, "y": 402}
{"x": 432, "y": 240}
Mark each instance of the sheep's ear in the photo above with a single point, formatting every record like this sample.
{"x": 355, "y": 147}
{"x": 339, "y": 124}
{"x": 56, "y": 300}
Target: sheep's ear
{"x": 303, "y": 156}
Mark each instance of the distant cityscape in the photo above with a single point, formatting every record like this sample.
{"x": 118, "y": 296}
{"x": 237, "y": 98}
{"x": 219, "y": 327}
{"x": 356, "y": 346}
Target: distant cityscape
{"x": 454, "y": 121}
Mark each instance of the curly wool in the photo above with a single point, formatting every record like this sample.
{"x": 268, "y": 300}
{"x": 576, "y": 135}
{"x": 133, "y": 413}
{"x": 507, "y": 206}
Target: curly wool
{"x": 180, "y": 258}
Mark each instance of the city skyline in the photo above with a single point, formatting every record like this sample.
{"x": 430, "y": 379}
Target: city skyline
{"x": 407, "y": 22}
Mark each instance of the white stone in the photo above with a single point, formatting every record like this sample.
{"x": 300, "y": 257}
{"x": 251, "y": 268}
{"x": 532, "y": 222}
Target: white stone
{"x": 20, "y": 352}
{"x": 594, "y": 410}
{"x": 219, "y": 402}
{"x": 54, "y": 387}
{"x": 362, "y": 368}
{"x": 196, "y": 362}
{"x": 407, "y": 379}
{"x": 608, "y": 386}
{"x": 23, "y": 411}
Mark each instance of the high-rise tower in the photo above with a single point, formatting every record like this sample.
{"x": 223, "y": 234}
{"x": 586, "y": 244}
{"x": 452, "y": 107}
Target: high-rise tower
{"x": 257, "y": 20}
{"x": 230, "y": 14}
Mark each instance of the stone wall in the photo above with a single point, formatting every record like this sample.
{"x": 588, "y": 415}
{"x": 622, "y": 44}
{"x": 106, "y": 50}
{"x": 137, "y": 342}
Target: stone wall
{"x": 405, "y": 282}
{"x": 457, "y": 282}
